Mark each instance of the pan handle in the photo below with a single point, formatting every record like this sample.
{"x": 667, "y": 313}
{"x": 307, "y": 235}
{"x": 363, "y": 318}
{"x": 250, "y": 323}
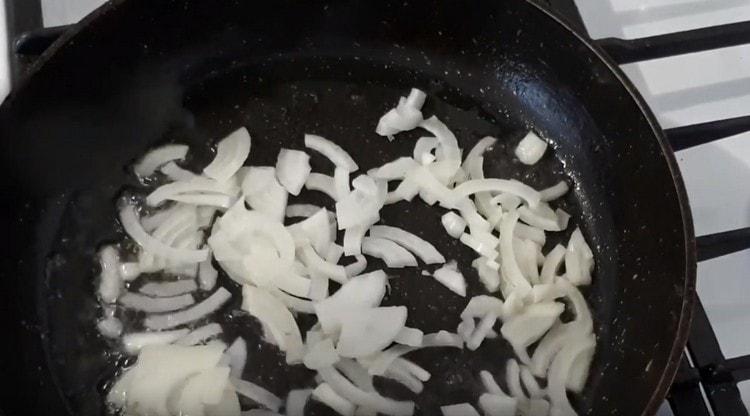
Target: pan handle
{"x": 697, "y": 40}
{"x": 716, "y": 245}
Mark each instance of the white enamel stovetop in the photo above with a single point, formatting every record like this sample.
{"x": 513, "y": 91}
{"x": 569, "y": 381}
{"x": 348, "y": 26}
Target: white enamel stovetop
{"x": 684, "y": 90}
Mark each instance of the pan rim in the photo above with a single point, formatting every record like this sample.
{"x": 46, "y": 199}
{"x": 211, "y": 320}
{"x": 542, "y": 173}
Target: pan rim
{"x": 689, "y": 289}
{"x": 690, "y": 266}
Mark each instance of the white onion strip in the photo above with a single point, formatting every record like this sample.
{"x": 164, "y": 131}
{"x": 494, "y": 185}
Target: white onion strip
{"x": 135, "y": 341}
{"x": 391, "y": 253}
{"x": 332, "y": 151}
{"x": 155, "y": 305}
{"x": 130, "y": 223}
{"x": 231, "y": 153}
{"x": 158, "y": 157}
{"x": 519, "y": 189}
{"x": 176, "y": 173}
{"x": 424, "y": 250}
{"x": 322, "y": 183}
{"x": 349, "y": 391}
{"x": 200, "y": 334}
{"x": 167, "y": 289}
{"x": 292, "y": 169}
{"x": 511, "y": 275}
{"x": 318, "y": 265}
{"x": 257, "y": 394}
{"x": 237, "y": 354}
{"x": 554, "y": 192}
{"x": 198, "y": 311}
{"x": 301, "y": 210}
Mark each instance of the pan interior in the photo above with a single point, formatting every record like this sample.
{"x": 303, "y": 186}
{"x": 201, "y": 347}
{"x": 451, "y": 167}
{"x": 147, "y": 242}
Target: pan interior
{"x": 512, "y": 70}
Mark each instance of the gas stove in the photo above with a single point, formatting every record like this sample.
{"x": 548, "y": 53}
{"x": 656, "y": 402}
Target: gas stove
{"x": 690, "y": 59}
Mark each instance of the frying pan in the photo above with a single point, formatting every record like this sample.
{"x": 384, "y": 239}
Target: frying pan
{"x": 139, "y": 73}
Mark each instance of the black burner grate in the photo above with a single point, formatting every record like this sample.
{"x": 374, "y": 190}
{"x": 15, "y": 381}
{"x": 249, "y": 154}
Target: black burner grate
{"x": 706, "y": 382}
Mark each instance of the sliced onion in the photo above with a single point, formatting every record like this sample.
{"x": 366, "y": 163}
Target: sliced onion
{"x": 360, "y": 292}
{"x": 349, "y": 391}
{"x": 277, "y": 318}
{"x": 264, "y": 193}
{"x": 559, "y": 371}
{"x": 450, "y": 277}
{"x": 530, "y": 149}
{"x": 296, "y": 401}
{"x": 512, "y": 278}
{"x": 353, "y": 239}
{"x": 192, "y": 186}
{"x": 334, "y": 253}
{"x": 148, "y": 304}
{"x": 207, "y": 275}
{"x": 231, "y": 153}
{"x": 421, "y": 181}
{"x": 489, "y": 277}
{"x": 406, "y": 116}
{"x": 526, "y": 232}
{"x": 257, "y": 394}
{"x": 198, "y": 390}
{"x": 490, "y": 384}
{"x": 237, "y": 353}
{"x": 341, "y": 183}
{"x": 176, "y": 173}
{"x": 215, "y": 200}
{"x": 368, "y": 331}
{"x": 453, "y": 224}
{"x": 420, "y": 373}
{"x": 479, "y": 246}
{"x": 332, "y": 151}
{"x": 410, "y": 336}
{"x": 492, "y": 404}
{"x": 294, "y": 303}
{"x": 526, "y": 328}
{"x": 554, "y": 192}
{"x": 424, "y": 250}
{"x": 482, "y": 305}
{"x": 397, "y": 169}
{"x": 110, "y": 283}
{"x": 525, "y": 251}
{"x": 314, "y": 230}
{"x": 200, "y": 334}
{"x": 579, "y": 260}
{"x": 480, "y": 333}
{"x": 292, "y": 169}
{"x": 134, "y": 342}
{"x": 424, "y": 148}
{"x": 357, "y": 209}
{"x": 322, "y": 183}
{"x": 402, "y": 376}
{"x": 109, "y": 327}
{"x": 532, "y": 386}
{"x": 579, "y": 369}
{"x": 519, "y": 189}
{"x": 130, "y": 223}
{"x": 552, "y": 264}
{"x": 355, "y": 372}
{"x": 326, "y": 395}
{"x": 158, "y": 157}
{"x": 509, "y": 202}
{"x": 198, "y": 311}
{"x": 357, "y": 267}
{"x": 321, "y": 354}
{"x": 542, "y": 217}
{"x": 167, "y": 289}
{"x": 391, "y": 253}
{"x": 460, "y": 409}
{"x": 301, "y": 210}
{"x": 319, "y": 266}
{"x": 449, "y": 150}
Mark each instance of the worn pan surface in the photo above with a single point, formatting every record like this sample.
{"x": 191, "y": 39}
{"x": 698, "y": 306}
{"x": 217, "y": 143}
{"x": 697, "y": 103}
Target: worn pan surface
{"x": 140, "y": 73}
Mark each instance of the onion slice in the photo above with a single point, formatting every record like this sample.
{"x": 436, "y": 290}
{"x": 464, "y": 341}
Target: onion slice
{"x": 530, "y": 149}
{"x": 134, "y": 342}
{"x": 167, "y": 289}
{"x": 391, "y": 253}
{"x": 450, "y": 277}
{"x": 257, "y": 394}
{"x": 198, "y": 311}
{"x": 424, "y": 250}
{"x": 519, "y": 189}
{"x": 277, "y": 319}
{"x": 144, "y": 303}
{"x": 158, "y": 157}
{"x": 231, "y": 153}
{"x": 349, "y": 391}
{"x": 200, "y": 334}
{"x": 332, "y": 151}
{"x": 326, "y": 395}
{"x": 292, "y": 169}
{"x": 460, "y": 409}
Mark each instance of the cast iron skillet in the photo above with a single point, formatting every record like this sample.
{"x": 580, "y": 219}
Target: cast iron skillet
{"x": 139, "y": 73}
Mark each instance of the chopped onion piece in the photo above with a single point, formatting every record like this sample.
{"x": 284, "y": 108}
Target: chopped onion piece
{"x": 460, "y": 409}
{"x": 526, "y": 328}
{"x": 334, "y": 253}
{"x": 341, "y": 183}
{"x": 257, "y": 394}
{"x": 532, "y": 386}
{"x": 130, "y": 223}
{"x": 525, "y": 251}
{"x": 554, "y": 192}
{"x": 424, "y": 250}
{"x": 292, "y": 169}
{"x": 552, "y": 264}
{"x": 109, "y": 327}
{"x": 277, "y": 318}
{"x": 197, "y": 185}
{"x": 579, "y": 260}
{"x": 453, "y": 224}
{"x": 353, "y": 239}
{"x": 296, "y": 401}
{"x": 402, "y": 376}
{"x": 198, "y": 311}
{"x": 530, "y": 149}
{"x": 167, "y": 289}
{"x": 215, "y": 200}
{"x": 321, "y": 354}
{"x": 490, "y": 384}
{"x": 368, "y": 331}
{"x": 357, "y": 209}
{"x": 110, "y": 282}
{"x": 237, "y": 353}
{"x": 201, "y": 389}
{"x": 420, "y": 373}
{"x": 496, "y": 405}
{"x": 360, "y": 292}
{"x": 231, "y": 153}
{"x": 479, "y": 246}
{"x": 129, "y": 271}
{"x": 301, "y": 210}
{"x": 373, "y": 400}
{"x": 294, "y": 303}
{"x": 542, "y": 217}
{"x": 489, "y": 277}
{"x": 391, "y": 253}
{"x": 176, "y": 173}
{"x": 264, "y": 193}
{"x": 406, "y": 116}
{"x": 513, "y": 379}
{"x": 516, "y": 188}
{"x": 326, "y": 395}
{"x": 357, "y": 267}
{"x": 332, "y": 151}
{"x": 512, "y": 279}
{"x": 480, "y": 333}
{"x": 158, "y": 157}
{"x": 314, "y": 230}
{"x": 155, "y": 305}
{"x": 207, "y": 275}
{"x": 410, "y": 336}
{"x": 527, "y": 232}
{"x": 200, "y": 334}
{"x": 450, "y": 277}
{"x": 134, "y": 342}
{"x": 397, "y": 169}
{"x": 579, "y": 369}
{"x": 319, "y": 266}
{"x": 322, "y": 183}
{"x": 424, "y": 148}
{"x": 560, "y": 369}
